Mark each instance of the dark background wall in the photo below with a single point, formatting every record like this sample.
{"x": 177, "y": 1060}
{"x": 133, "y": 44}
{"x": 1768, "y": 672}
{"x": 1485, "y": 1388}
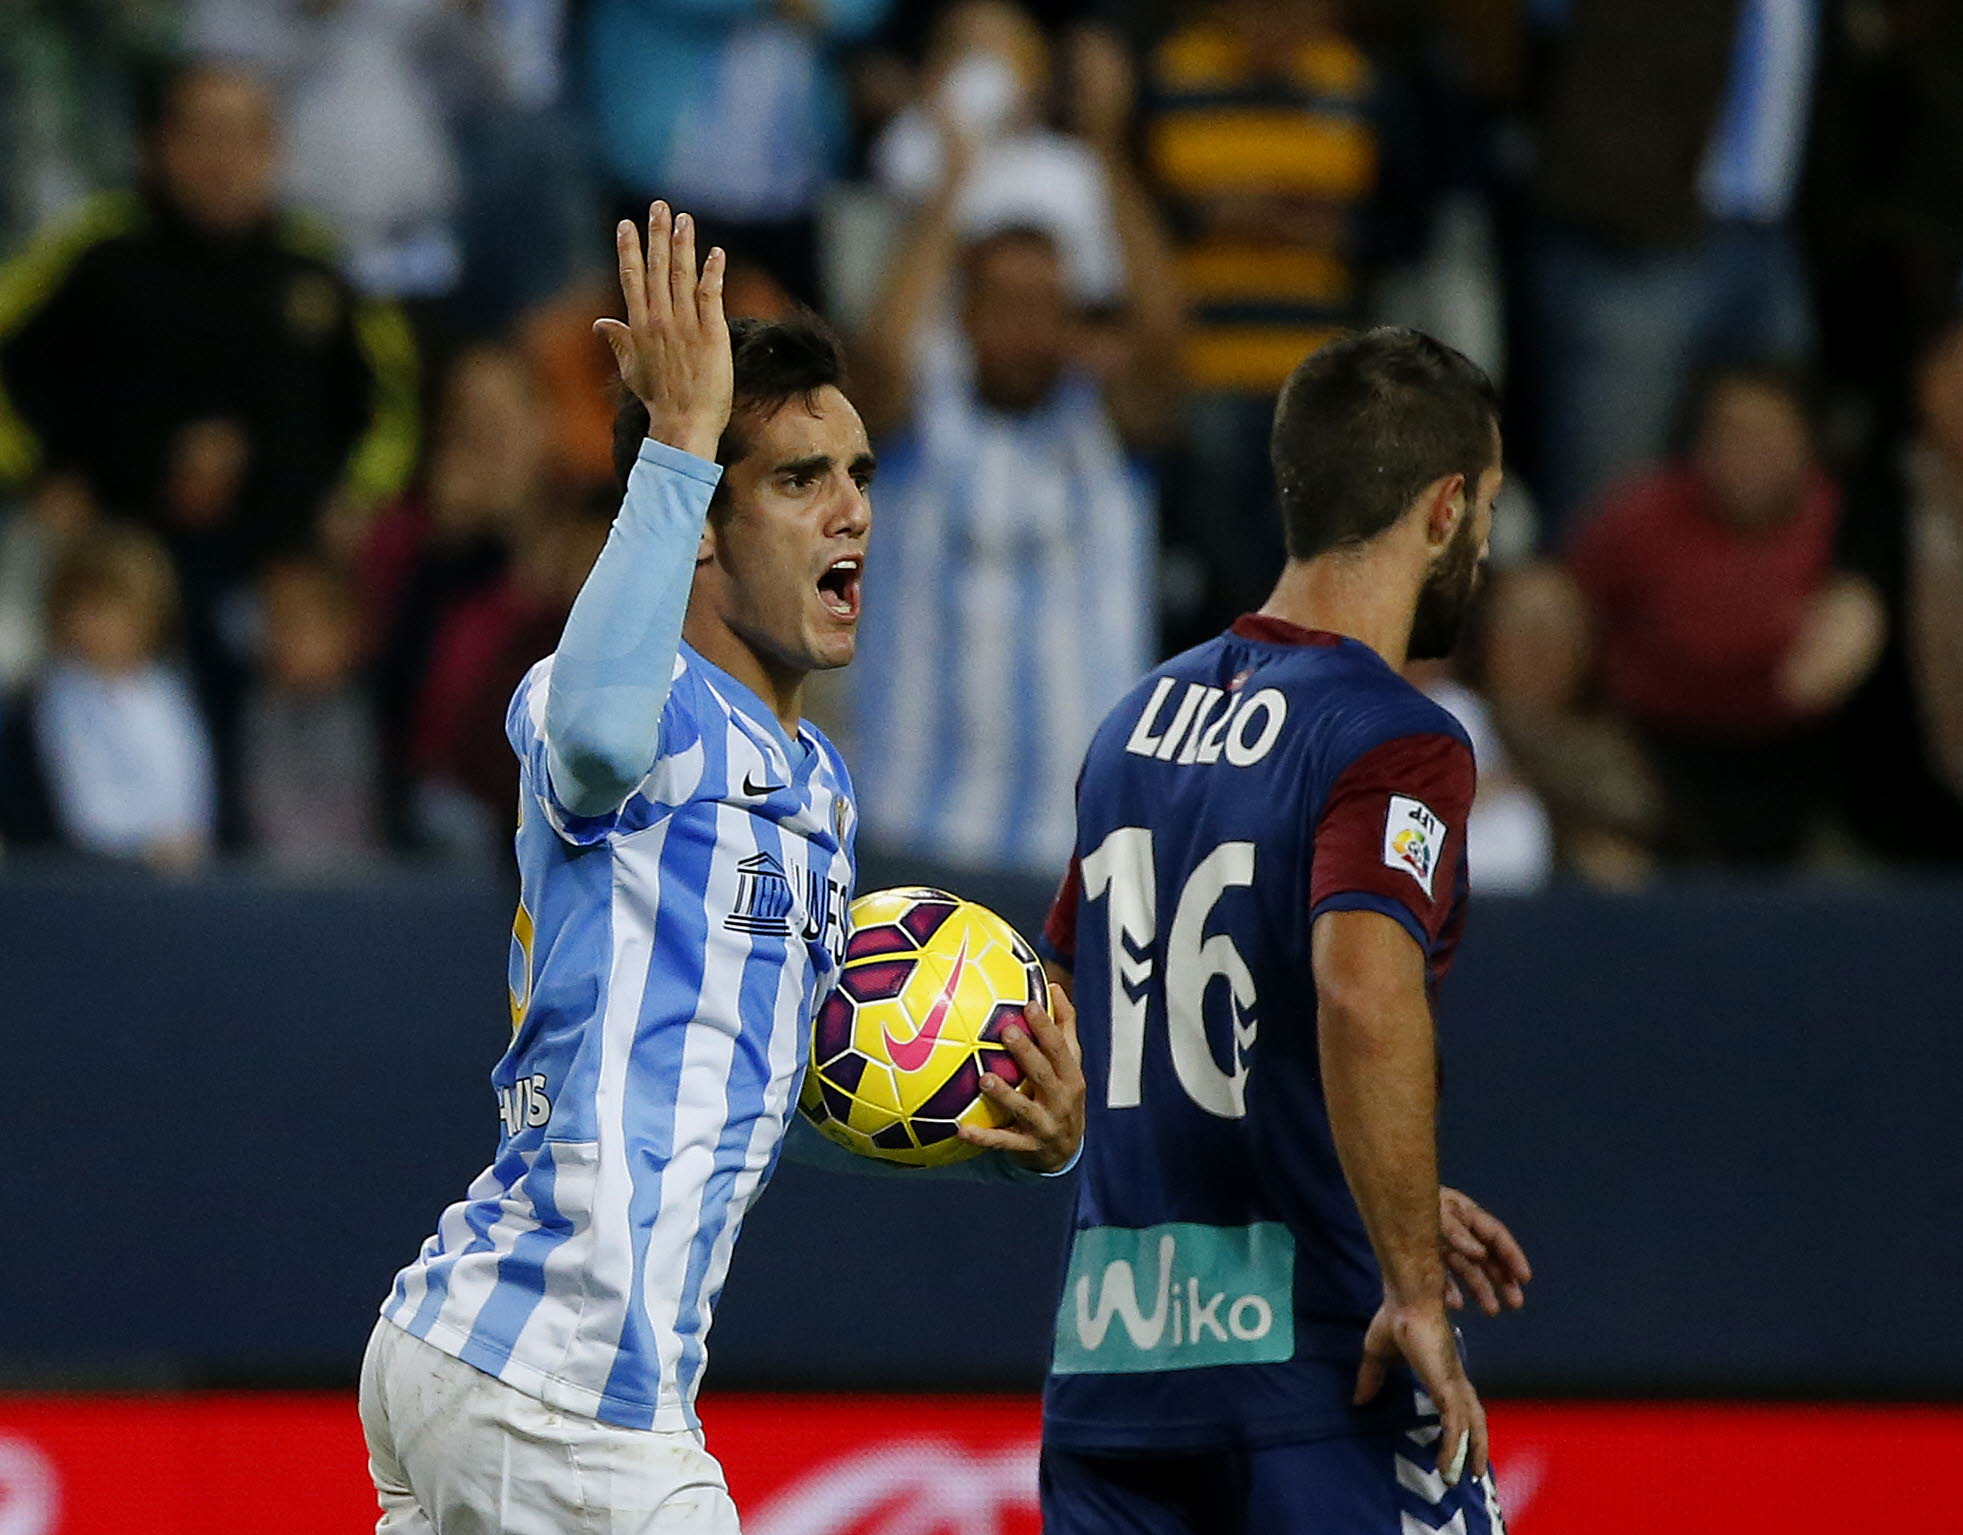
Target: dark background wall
{"x": 1722, "y": 1118}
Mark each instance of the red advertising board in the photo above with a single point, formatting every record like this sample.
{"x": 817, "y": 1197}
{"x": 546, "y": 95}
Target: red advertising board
{"x": 825, "y": 1465}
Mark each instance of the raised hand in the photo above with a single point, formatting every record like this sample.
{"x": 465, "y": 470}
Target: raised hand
{"x": 1046, "y": 1116}
{"x": 673, "y": 350}
{"x": 1481, "y": 1256}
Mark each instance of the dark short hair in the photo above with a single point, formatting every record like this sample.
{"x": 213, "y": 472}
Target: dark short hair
{"x": 1366, "y": 423}
{"x": 776, "y": 361}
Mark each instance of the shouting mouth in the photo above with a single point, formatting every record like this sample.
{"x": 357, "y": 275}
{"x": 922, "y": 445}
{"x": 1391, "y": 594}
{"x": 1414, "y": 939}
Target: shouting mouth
{"x": 838, "y": 588}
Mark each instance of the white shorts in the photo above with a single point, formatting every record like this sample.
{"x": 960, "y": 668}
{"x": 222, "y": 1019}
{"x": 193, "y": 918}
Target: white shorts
{"x": 454, "y": 1451}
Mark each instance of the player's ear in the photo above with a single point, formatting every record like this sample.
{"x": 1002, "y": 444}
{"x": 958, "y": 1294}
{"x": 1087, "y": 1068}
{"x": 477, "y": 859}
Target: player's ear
{"x": 1445, "y": 504}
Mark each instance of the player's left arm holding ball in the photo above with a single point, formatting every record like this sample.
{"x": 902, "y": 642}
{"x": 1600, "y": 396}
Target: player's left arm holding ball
{"x": 1043, "y": 1127}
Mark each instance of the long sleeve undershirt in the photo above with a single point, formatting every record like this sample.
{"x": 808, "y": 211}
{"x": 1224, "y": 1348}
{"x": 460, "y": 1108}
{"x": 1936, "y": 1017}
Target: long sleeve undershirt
{"x": 616, "y": 660}
{"x": 610, "y": 682}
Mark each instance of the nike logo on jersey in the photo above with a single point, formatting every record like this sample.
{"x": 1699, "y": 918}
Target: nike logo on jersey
{"x": 912, "y": 1054}
{"x": 757, "y": 790}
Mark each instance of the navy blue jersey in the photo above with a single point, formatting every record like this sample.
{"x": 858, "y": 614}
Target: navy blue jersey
{"x": 1220, "y": 1280}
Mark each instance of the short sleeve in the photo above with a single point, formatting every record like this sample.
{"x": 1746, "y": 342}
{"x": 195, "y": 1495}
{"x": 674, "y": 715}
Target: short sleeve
{"x": 1392, "y": 834}
{"x": 1058, "y": 940}
{"x": 675, "y": 772}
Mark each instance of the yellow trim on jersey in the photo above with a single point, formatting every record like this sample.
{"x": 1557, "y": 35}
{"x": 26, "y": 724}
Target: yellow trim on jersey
{"x": 524, "y": 934}
{"x": 29, "y": 281}
{"x": 384, "y": 458}
{"x": 1263, "y": 149}
{"x": 1250, "y": 359}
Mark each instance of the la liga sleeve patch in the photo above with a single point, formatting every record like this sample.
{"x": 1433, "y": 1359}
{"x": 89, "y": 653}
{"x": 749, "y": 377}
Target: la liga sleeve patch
{"x": 1413, "y": 836}
{"x": 1391, "y": 834}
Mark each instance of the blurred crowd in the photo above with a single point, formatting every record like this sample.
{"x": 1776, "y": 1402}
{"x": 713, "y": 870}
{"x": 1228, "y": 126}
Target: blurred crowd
{"x": 304, "y": 435}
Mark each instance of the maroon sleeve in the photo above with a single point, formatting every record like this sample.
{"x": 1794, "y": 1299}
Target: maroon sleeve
{"x": 1392, "y": 834}
{"x": 1060, "y": 930}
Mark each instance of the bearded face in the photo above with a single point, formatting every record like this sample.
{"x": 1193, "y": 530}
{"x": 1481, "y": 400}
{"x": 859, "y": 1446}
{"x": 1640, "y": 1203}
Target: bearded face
{"x": 1447, "y": 596}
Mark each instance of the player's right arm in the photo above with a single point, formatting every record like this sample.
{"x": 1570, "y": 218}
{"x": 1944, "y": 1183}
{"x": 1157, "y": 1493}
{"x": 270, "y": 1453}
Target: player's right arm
{"x": 615, "y": 662}
{"x": 1383, "y": 880}
{"x": 1379, "y": 1074}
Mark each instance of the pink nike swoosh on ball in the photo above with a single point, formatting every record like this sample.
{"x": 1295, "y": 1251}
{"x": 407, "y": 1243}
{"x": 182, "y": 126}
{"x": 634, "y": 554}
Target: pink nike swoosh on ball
{"x": 912, "y": 1055}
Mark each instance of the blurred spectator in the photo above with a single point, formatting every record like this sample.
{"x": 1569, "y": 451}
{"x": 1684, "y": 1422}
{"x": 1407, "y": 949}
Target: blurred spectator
{"x": 1903, "y": 746}
{"x": 309, "y": 753}
{"x": 1009, "y": 592}
{"x": 1886, "y": 223}
{"x": 576, "y": 374}
{"x": 367, "y": 88}
{"x": 106, "y": 754}
{"x": 488, "y": 479}
{"x": 31, "y": 541}
{"x": 1509, "y": 840}
{"x": 66, "y": 102}
{"x": 731, "y": 109}
{"x": 1260, "y": 130}
{"x": 529, "y": 187}
{"x": 194, "y": 358}
{"x": 1671, "y": 156}
{"x": 466, "y": 779}
{"x": 1722, "y": 633}
{"x": 987, "y": 76}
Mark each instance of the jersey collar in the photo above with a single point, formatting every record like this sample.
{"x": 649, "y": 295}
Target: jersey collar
{"x": 742, "y": 697}
{"x": 1279, "y": 631}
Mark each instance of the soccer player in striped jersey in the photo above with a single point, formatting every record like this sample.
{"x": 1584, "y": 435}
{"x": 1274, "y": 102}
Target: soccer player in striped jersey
{"x": 1270, "y": 884}
{"x": 685, "y": 847}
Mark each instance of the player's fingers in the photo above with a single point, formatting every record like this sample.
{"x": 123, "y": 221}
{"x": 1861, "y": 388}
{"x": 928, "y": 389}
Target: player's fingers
{"x": 1476, "y": 1282}
{"x": 1065, "y": 1012}
{"x": 681, "y": 269}
{"x": 1018, "y": 1106}
{"x": 660, "y": 257}
{"x": 1052, "y": 1041}
{"x": 616, "y": 337}
{"x": 1500, "y": 1242}
{"x": 1454, "y": 1296}
{"x": 708, "y": 292}
{"x": 998, "y": 1140}
{"x": 1459, "y": 1238}
{"x": 1479, "y": 1456}
{"x": 1034, "y": 1061}
{"x": 1454, "y": 1446}
{"x": 1369, "y": 1379}
{"x": 633, "y": 272}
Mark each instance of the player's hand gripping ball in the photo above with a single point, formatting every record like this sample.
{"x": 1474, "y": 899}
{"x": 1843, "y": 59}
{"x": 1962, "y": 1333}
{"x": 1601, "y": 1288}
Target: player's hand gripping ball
{"x": 899, "y": 1048}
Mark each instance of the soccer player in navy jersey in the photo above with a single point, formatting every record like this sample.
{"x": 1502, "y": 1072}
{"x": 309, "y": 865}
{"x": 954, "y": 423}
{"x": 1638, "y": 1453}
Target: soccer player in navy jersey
{"x": 685, "y": 847}
{"x": 1269, "y": 884}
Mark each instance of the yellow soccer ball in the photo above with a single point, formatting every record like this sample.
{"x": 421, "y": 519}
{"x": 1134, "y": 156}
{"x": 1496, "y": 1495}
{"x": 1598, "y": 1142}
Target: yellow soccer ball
{"x": 899, "y": 1048}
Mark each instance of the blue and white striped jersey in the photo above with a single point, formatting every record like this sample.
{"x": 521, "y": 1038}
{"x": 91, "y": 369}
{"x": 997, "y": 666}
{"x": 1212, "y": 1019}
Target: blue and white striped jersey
{"x": 1010, "y": 601}
{"x": 665, "y": 965}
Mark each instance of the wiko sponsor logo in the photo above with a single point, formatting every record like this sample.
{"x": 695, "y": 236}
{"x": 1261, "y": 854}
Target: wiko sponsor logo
{"x": 1182, "y": 1296}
